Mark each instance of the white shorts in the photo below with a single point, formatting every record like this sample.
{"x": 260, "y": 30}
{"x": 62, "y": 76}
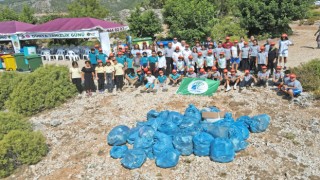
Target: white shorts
{"x": 283, "y": 54}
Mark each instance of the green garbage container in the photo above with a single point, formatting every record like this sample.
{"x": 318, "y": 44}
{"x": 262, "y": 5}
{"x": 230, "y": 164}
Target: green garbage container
{"x": 34, "y": 61}
{"x": 21, "y": 63}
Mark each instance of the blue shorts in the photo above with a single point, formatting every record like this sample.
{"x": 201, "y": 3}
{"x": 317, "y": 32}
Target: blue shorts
{"x": 235, "y": 60}
{"x": 296, "y": 92}
{"x": 149, "y": 85}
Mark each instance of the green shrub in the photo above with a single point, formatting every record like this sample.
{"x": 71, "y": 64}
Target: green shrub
{"x": 11, "y": 121}
{"x": 228, "y": 26}
{"x": 6, "y": 163}
{"x": 45, "y": 88}
{"x": 8, "y": 80}
{"x": 309, "y": 76}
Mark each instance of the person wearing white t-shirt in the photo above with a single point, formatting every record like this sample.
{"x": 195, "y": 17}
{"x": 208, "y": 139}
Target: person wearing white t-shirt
{"x": 150, "y": 82}
{"x": 175, "y": 56}
{"x": 186, "y": 52}
{"x": 235, "y": 51}
{"x": 175, "y": 43}
{"x": 161, "y": 61}
{"x": 200, "y": 62}
{"x": 284, "y": 44}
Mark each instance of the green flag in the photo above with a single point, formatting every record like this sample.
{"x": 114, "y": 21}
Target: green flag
{"x": 197, "y": 86}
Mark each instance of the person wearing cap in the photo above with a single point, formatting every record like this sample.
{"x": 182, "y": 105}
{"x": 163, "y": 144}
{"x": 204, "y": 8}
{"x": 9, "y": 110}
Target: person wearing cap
{"x": 180, "y": 65}
{"x": 191, "y": 73}
{"x": 234, "y": 78}
{"x": 102, "y": 56}
{"x": 161, "y": 82}
{"x": 214, "y": 74}
{"x": 277, "y": 77}
{"x": 120, "y": 58}
{"x": 174, "y": 78}
{"x": 263, "y": 76}
{"x": 168, "y": 52}
{"x": 129, "y": 64}
{"x": 235, "y": 51}
{"x": 150, "y": 82}
{"x": 203, "y": 51}
{"x": 100, "y": 75}
{"x": 186, "y": 52}
{"x": 225, "y": 78}
{"x": 254, "y": 50}
{"x": 194, "y": 54}
{"x": 261, "y": 59}
{"x": 272, "y": 57}
{"x": 190, "y": 63}
{"x": 118, "y": 75}
{"x": 87, "y": 77}
{"x": 109, "y": 70}
{"x": 221, "y": 62}
{"x": 202, "y": 74}
{"x": 227, "y": 42}
{"x": 161, "y": 62}
{"x": 293, "y": 87}
{"x": 175, "y": 56}
{"x": 161, "y": 48}
{"x": 199, "y": 61}
{"x": 227, "y": 55}
{"x": 140, "y": 76}
{"x": 136, "y": 61}
{"x": 284, "y": 44}
{"x": 210, "y": 60}
{"x": 153, "y": 63}
{"x": 176, "y": 43}
{"x": 93, "y": 58}
{"x": 247, "y": 79}
{"x": 144, "y": 60}
{"x": 244, "y": 54}
{"x": 132, "y": 79}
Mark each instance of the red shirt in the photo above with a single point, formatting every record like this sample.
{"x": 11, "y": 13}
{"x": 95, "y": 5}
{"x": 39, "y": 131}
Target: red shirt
{"x": 224, "y": 45}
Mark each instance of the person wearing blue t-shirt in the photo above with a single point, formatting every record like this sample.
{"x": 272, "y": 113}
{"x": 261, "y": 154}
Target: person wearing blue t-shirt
{"x": 129, "y": 63}
{"x": 93, "y": 58}
{"x": 144, "y": 60}
{"x": 96, "y": 49}
{"x": 132, "y": 78}
{"x": 162, "y": 81}
{"x": 103, "y": 57}
{"x": 120, "y": 58}
{"x": 153, "y": 62}
{"x": 175, "y": 78}
{"x": 293, "y": 87}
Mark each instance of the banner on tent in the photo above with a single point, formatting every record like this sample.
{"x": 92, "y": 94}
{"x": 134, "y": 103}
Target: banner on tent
{"x": 117, "y": 29}
{"x": 5, "y": 38}
{"x": 60, "y": 35}
{"x": 197, "y": 86}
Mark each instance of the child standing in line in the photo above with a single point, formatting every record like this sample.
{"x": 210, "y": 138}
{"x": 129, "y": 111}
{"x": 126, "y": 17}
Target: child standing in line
{"x": 175, "y": 57}
{"x": 100, "y": 76}
{"x": 162, "y": 63}
{"x": 244, "y": 54}
{"x": 93, "y": 58}
{"x": 272, "y": 57}
{"x": 129, "y": 64}
{"x": 144, "y": 60}
{"x": 227, "y": 55}
{"x": 262, "y": 58}
{"x": 153, "y": 62}
{"x": 180, "y": 66}
{"x": 209, "y": 60}
{"x": 109, "y": 69}
{"x": 200, "y": 61}
{"x": 222, "y": 62}
{"x": 137, "y": 60}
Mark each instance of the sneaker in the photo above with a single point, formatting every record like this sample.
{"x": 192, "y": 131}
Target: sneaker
{"x": 148, "y": 91}
{"x": 228, "y": 89}
{"x": 234, "y": 87}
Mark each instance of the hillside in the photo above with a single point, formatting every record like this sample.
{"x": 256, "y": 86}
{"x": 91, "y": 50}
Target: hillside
{"x": 45, "y": 6}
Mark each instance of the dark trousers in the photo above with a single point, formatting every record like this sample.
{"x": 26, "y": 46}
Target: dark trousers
{"x": 271, "y": 66}
{"x": 252, "y": 62}
{"x": 245, "y": 64}
{"x": 101, "y": 81}
{"x": 77, "y": 82}
{"x": 109, "y": 82}
{"x": 262, "y": 82}
{"x": 169, "y": 63}
{"x": 153, "y": 68}
{"x": 119, "y": 81}
{"x": 228, "y": 64}
{"x": 244, "y": 83}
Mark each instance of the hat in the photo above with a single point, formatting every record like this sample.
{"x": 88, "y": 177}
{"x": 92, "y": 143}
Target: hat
{"x": 111, "y": 55}
{"x": 120, "y": 47}
{"x": 149, "y": 72}
{"x": 221, "y": 53}
{"x": 191, "y": 70}
{"x": 126, "y": 47}
{"x": 232, "y": 70}
{"x": 235, "y": 41}
{"x": 209, "y": 51}
{"x": 119, "y": 53}
{"x": 292, "y": 76}
{"x": 264, "y": 67}
{"x": 262, "y": 48}
{"x": 96, "y": 46}
{"x": 138, "y": 70}
{"x": 123, "y": 50}
{"x": 245, "y": 43}
{"x": 279, "y": 67}
{"x": 145, "y": 69}
{"x": 160, "y": 71}
{"x": 138, "y": 53}
{"x": 272, "y": 43}
{"x": 100, "y": 49}
{"x": 190, "y": 57}
{"x": 180, "y": 57}
{"x": 177, "y": 48}
{"x": 211, "y": 43}
{"x": 161, "y": 44}
{"x": 284, "y": 35}
{"x": 225, "y": 70}
{"x": 99, "y": 61}
{"x": 247, "y": 71}
{"x": 108, "y": 61}
{"x": 199, "y": 53}
{"x": 174, "y": 71}
{"x": 202, "y": 70}
{"x": 227, "y": 38}
{"x": 214, "y": 68}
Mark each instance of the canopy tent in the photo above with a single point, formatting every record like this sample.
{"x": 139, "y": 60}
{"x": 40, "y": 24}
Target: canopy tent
{"x": 65, "y": 28}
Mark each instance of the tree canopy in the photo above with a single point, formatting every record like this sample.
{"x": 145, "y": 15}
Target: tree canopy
{"x": 88, "y": 8}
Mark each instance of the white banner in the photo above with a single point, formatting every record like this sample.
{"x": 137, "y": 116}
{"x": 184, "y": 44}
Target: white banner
{"x": 118, "y": 29}
{"x": 5, "y": 38}
{"x": 60, "y": 35}
{"x": 105, "y": 43}
{"x": 15, "y": 43}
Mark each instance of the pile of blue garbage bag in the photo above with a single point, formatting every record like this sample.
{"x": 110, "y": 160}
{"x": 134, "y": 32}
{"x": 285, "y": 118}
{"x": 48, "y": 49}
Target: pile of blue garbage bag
{"x": 167, "y": 135}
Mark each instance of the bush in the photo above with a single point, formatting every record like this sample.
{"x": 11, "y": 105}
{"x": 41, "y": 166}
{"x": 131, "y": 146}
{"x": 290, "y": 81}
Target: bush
{"x": 8, "y": 80}
{"x": 227, "y": 26}
{"x": 45, "y": 88}
{"x": 10, "y": 121}
{"x": 309, "y": 76}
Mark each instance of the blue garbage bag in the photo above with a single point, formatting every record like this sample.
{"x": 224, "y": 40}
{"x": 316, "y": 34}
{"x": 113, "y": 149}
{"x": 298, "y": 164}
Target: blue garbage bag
{"x": 152, "y": 114}
{"x": 202, "y": 143}
{"x": 243, "y": 128}
{"x": 188, "y": 122}
{"x": 168, "y": 127}
{"x": 237, "y": 136}
{"x": 118, "y": 151}
{"x": 228, "y": 117}
{"x": 149, "y": 153}
{"x": 118, "y": 135}
{"x": 167, "y": 159}
{"x": 245, "y": 120}
{"x": 133, "y": 134}
{"x": 193, "y": 112}
{"x": 259, "y": 123}
{"x": 219, "y": 129}
{"x": 143, "y": 143}
{"x": 175, "y": 117}
{"x": 183, "y": 143}
{"x": 222, "y": 150}
{"x": 154, "y": 122}
{"x": 238, "y": 144}
{"x": 134, "y": 158}
{"x": 164, "y": 114}
{"x": 162, "y": 143}
{"x": 146, "y": 131}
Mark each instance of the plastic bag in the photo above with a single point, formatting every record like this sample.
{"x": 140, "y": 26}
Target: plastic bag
{"x": 193, "y": 112}
{"x": 168, "y": 127}
{"x": 244, "y": 129}
{"x": 238, "y": 144}
{"x": 152, "y": 114}
{"x": 143, "y": 143}
{"x": 164, "y": 114}
{"x": 118, "y": 151}
{"x": 167, "y": 159}
{"x": 155, "y": 122}
{"x": 175, "y": 117}
{"x": 118, "y": 135}
{"x": 188, "y": 123}
{"x": 183, "y": 143}
{"x": 237, "y": 136}
{"x": 133, "y": 134}
{"x": 134, "y": 158}
{"x": 219, "y": 129}
{"x": 146, "y": 131}
{"x": 162, "y": 143}
{"x": 259, "y": 123}
{"x": 245, "y": 120}
{"x": 222, "y": 150}
{"x": 228, "y": 117}
{"x": 202, "y": 143}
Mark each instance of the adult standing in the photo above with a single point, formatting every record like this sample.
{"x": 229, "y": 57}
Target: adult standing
{"x": 272, "y": 57}
{"x": 254, "y": 50}
{"x": 118, "y": 74}
{"x": 284, "y": 44}
{"x": 168, "y": 54}
{"x": 100, "y": 74}
{"x": 244, "y": 54}
{"x": 75, "y": 76}
{"x": 227, "y": 42}
{"x": 186, "y": 52}
{"x": 88, "y": 73}
{"x": 176, "y": 43}
{"x": 208, "y": 42}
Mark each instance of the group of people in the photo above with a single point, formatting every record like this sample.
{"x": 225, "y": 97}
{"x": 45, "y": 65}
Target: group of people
{"x": 155, "y": 65}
